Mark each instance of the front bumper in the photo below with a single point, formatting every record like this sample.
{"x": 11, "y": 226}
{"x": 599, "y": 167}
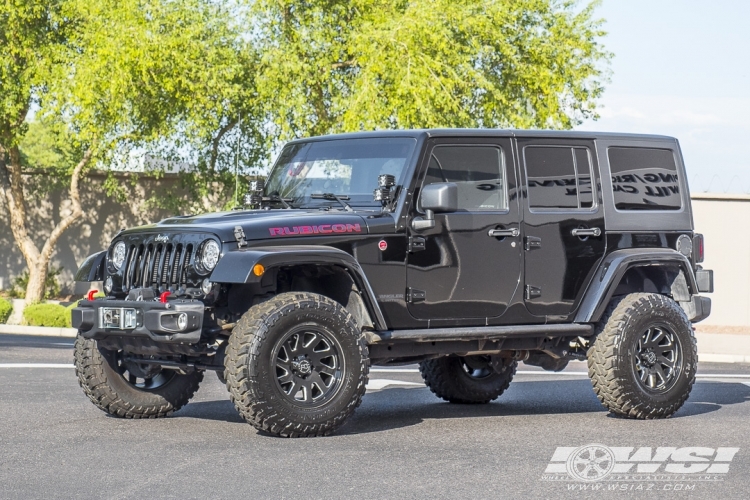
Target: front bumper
{"x": 99, "y": 319}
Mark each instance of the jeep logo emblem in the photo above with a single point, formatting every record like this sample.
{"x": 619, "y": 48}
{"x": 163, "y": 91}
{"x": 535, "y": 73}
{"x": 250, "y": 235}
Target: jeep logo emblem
{"x": 162, "y": 238}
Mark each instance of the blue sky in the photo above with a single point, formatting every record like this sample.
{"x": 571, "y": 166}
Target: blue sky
{"x": 682, "y": 68}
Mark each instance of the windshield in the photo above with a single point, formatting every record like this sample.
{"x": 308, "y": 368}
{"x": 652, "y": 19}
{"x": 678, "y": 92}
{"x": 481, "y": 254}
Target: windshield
{"x": 348, "y": 168}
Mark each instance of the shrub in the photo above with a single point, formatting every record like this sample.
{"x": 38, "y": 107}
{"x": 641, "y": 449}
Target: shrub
{"x": 47, "y": 315}
{"x": 5, "y": 309}
{"x": 51, "y": 284}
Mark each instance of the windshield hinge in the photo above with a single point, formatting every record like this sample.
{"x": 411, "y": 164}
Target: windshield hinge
{"x": 239, "y": 235}
{"x": 416, "y": 244}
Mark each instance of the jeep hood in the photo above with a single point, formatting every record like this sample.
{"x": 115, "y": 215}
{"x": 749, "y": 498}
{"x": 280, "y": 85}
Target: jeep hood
{"x": 263, "y": 224}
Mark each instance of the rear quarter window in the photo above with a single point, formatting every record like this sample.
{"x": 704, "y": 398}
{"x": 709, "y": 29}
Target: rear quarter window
{"x": 644, "y": 179}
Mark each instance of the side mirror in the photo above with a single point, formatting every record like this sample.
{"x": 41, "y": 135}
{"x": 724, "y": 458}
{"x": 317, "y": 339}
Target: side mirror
{"x": 436, "y": 198}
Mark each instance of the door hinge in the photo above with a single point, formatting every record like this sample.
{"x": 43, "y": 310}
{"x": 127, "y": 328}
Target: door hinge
{"x": 533, "y": 292}
{"x": 533, "y": 243}
{"x": 413, "y": 295}
{"x": 416, "y": 244}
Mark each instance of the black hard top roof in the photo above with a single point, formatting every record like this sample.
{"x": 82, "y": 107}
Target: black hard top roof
{"x": 467, "y": 132}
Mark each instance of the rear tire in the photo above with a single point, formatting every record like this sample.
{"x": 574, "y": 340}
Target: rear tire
{"x": 470, "y": 380}
{"x": 141, "y": 393}
{"x": 643, "y": 361}
{"x": 296, "y": 365}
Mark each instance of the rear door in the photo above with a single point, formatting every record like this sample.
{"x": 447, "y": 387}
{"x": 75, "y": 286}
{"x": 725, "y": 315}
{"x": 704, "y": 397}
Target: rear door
{"x": 457, "y": 270}
{"x": 563, "y": 223}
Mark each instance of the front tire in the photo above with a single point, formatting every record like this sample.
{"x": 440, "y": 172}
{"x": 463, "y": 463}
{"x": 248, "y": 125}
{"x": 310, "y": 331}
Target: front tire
{"x": 470, "y": 380}
{"x": 297, "y": 365}
{"x": 128, "y": 390}
{"x": 643, "y": 361}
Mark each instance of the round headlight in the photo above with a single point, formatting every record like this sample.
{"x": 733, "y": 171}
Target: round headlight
{"x": 210, "y": 255}
{"x": 118, "y": 254}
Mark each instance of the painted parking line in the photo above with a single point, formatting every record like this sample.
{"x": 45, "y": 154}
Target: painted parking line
{"x": 381, "y": 383}
{"x": 36, "y": 365}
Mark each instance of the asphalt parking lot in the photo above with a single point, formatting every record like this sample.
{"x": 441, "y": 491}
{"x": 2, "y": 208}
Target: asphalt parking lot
{"x": 402, "y": 443}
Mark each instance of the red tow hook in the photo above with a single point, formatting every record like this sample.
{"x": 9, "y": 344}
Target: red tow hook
{"x": 163, "y": 297}
{"x": 90, "y": 296}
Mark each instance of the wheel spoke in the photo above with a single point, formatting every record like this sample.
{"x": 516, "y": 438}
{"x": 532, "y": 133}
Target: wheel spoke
{"x": 286, "y": 377}
{"x": 657, "y": 334}
{"x": 293, "y": 344}
{"x": 308, "y": 342}
{"x": 315, "y": 379}
{"x": 317, "y": 356}
{"x": 307, "y": 389}
{"x": 669, "y": 363}
{"x": 659, "y": 372}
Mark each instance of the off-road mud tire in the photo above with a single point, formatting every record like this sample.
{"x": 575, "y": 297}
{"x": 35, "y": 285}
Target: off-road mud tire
{"x": 447, "y": 379}
{"x": 611, "y": 357}
{"x": 251, "y": 378}
{"x": 110, "y": 392}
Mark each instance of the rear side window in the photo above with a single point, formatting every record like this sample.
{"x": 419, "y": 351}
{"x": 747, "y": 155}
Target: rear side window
{"x": 644, "y": 179}
{"x": 559, "y": 177}
{"x": 478, "y": 171}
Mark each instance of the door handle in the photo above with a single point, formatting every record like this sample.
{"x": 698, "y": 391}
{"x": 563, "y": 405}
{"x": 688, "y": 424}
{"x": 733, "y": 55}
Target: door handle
{"x": 501, "y": 233}
{"x": 594, "y": 231}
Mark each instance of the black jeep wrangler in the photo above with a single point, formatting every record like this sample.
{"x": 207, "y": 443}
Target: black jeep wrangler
{"x": 465, "y": 251}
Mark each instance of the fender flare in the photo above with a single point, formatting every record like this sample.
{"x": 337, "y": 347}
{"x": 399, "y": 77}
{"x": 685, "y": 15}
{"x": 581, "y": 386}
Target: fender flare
{"x": 92, "y": 268}
{"x": 613, "y": 268}
{"x": 236, "y": 267}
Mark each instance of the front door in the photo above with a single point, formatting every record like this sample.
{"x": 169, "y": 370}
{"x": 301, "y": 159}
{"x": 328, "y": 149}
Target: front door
{"x": 563, "y": 223}
{"x": 467, "y": 266}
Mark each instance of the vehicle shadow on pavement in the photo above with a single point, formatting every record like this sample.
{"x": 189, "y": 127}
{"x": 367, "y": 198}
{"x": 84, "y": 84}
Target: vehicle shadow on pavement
{"x": 398, "y": 407}
{"x": 707, "y": 397}
{"x": 222, "y": 411}
{"x": 401, "y": 407}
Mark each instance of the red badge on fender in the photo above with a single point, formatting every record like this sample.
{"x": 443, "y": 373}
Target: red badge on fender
{"x": 382, "y": 245}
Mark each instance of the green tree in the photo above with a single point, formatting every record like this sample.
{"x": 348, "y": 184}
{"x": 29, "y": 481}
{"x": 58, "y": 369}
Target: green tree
{"x": 108, "y": 77}
{"x": 345, "y": 65}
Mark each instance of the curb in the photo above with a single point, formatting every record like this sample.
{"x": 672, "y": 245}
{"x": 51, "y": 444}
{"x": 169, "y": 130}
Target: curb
{"x": 45, "y": 331}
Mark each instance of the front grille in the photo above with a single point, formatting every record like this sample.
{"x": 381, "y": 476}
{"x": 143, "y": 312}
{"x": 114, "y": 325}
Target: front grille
{"x": 157, "y": 265}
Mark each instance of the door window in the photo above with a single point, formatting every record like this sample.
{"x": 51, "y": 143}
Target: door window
{"x": 559, "y": 177}
{"x": 478, "y": 171}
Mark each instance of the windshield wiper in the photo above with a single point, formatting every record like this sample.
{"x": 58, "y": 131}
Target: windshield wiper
{"x": 330, "y": 196}
{"x": 277, "y": 198}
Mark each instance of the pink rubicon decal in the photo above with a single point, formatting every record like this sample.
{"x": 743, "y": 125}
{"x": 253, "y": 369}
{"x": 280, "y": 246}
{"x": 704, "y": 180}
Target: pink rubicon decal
{"x": 321, "y": 229}
{"x": 382, "y": 245}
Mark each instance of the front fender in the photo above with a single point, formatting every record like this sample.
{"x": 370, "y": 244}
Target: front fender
{"x": 236, "y": 266}
{"x": 613, "y": 268}
{"x": 92, "y": 268}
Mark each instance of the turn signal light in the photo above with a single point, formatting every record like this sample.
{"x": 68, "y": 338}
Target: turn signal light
{"x": 258, "y": 269}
